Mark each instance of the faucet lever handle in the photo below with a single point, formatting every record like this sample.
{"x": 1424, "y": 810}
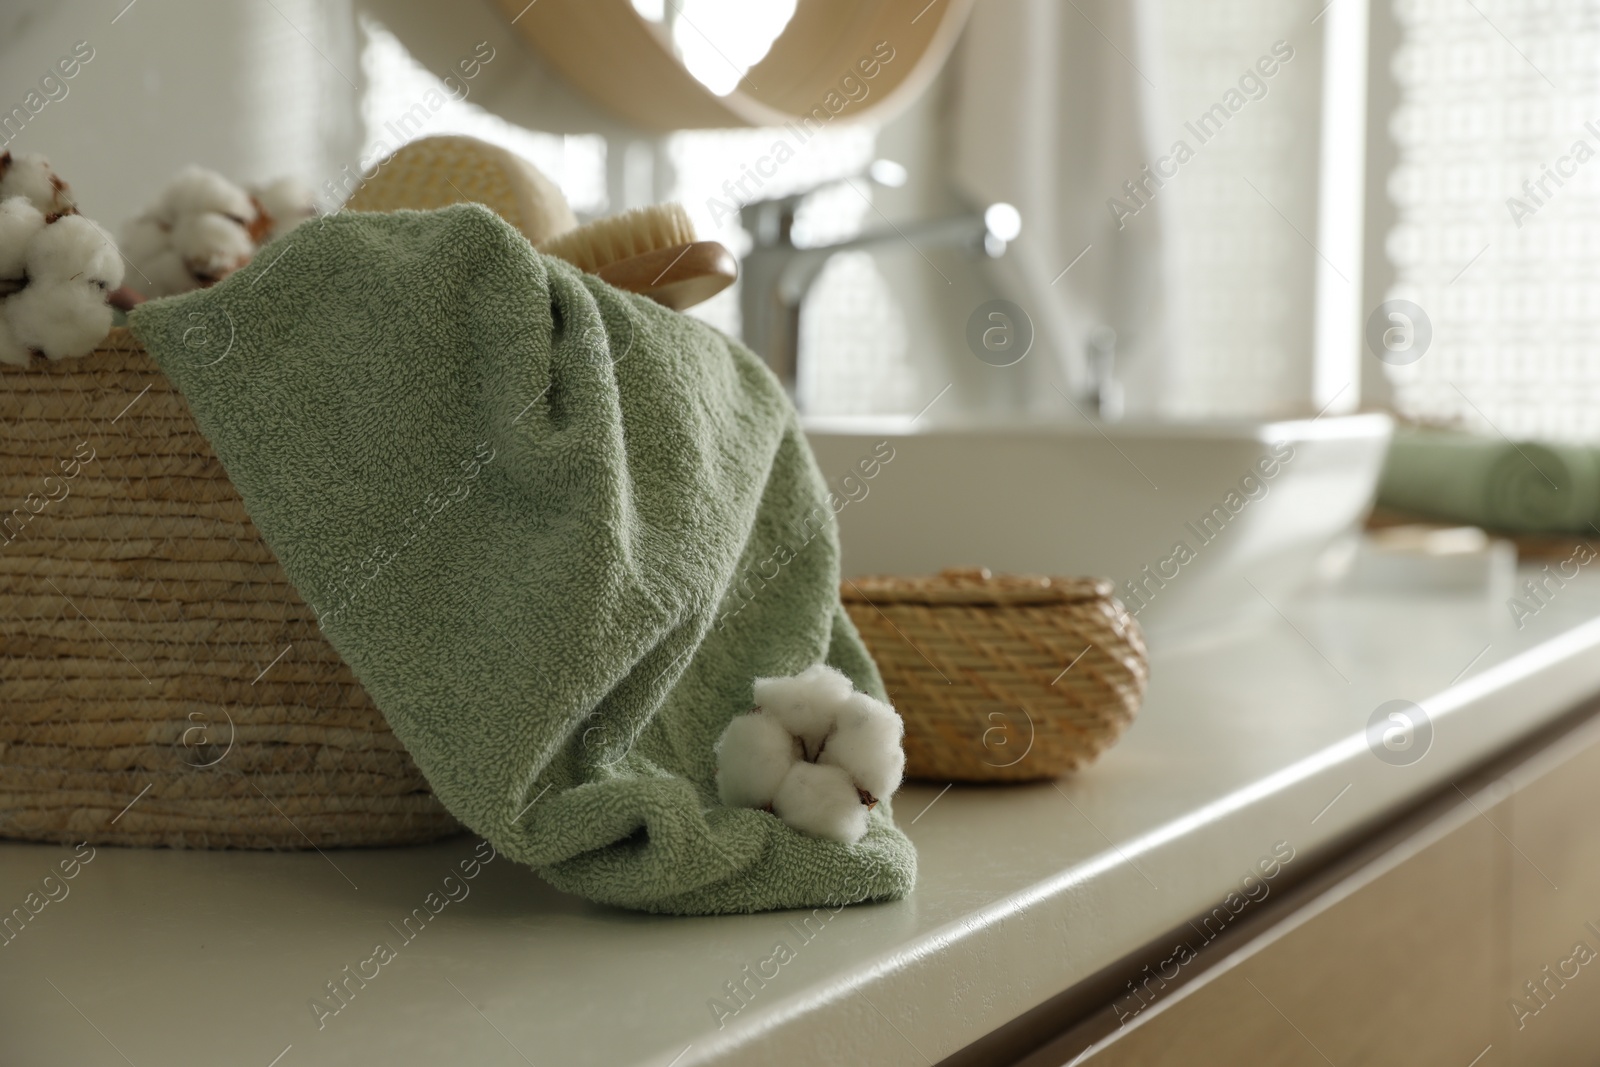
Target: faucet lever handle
{"x": 770, "y": 220}
{"x": 1100, "y": 355}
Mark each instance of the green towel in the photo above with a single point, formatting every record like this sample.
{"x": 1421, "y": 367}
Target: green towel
{"x": 1493, "y": 483}
{"x": 525, "y": 506}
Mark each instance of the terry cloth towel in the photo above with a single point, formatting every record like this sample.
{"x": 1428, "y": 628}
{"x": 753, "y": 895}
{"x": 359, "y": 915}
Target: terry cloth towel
{"x": 1493, "y": 483}
{"x": 556, "y": 531}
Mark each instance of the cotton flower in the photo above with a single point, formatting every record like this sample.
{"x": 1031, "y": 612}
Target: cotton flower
{"x": 211, "y": 246}
{"x": 806, "y": 704}
{"x": 56, "y": 272}
{"x": 814, "y": 752}
{"x": 866, "y": 745}
{"x": 28, "y": 174}
{"x": 287, "y": 202}
{"x": 158, "y": 270}
{"x": 821, "y": 801}
{"x": 753, "y": 755}
{"x": 62, "y": 319}
{"x": 19, "y": 221}
{"x": 198, "y": 191}
{"x": 203, "y": 227}
{"x": 74, "y": 248}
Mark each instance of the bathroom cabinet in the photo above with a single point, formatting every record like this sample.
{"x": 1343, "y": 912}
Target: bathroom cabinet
{"x": 1469, "y": 934}
{"x": 1553, "y": 903}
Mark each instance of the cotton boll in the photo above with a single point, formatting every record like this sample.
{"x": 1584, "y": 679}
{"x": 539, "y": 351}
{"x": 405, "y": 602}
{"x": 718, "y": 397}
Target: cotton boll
{"x": 61, "y": 319}
{"x": 164, "y": 275}
{"x": 212, "y": 246}
{"x": 19, "y": 222}
{"x": 157, "y": 269}
{"x": 810, "y": 722}
{"x": 817, "y": 682}
{"x": 866, "y": 745}
{"x": 288, "y": 201}
{"x": 28, "y": 174}
{"x": 807, "y": 703}
{"x": 821, "y": 801}
{"x": 753, "y": 755}
{"x": 144, "y": 238}
{"x": 12, "y": 350}
{"x": 74, "y": 248}
{"x": 204, "y": 228}
{"x": 198, "y": 191}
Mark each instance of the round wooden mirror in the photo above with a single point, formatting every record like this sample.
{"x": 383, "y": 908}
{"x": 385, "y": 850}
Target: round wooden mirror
{"x": 834, "y": 58}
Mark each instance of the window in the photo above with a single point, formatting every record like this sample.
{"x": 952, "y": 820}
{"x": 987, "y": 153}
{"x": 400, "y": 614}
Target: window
{"x": 1496, "y": 203}
{"x": 1244, "y": 208}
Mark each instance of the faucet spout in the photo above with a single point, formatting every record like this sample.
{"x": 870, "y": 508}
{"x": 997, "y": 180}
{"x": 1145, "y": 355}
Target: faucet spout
{"x": 777, "y": 274}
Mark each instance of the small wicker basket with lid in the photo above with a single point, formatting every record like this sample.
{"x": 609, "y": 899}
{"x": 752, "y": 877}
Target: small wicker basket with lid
{"x": 1002, "y": 678}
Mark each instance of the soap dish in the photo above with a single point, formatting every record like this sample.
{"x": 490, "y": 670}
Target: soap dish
{"x": 1002, "y": 678}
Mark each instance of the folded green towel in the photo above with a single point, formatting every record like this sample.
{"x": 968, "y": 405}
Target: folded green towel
{"x": 519, "y": 500}
{"x": 1493, "y": 483}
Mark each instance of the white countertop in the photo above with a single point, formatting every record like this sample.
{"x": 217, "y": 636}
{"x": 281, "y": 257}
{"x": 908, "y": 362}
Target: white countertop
{"x": 176, "y": 958}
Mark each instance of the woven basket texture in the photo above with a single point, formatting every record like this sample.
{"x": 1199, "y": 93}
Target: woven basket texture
{"x": 1002, "y": 678}
{"x": 160, "y": 681}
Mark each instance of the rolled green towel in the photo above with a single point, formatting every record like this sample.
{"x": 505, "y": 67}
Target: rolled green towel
{"x": 556, "y": 530}
{"x": 1491, "y": 482}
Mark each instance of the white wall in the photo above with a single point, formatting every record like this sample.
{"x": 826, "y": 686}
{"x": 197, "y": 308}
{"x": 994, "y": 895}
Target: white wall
{"x": 250, "y": 89}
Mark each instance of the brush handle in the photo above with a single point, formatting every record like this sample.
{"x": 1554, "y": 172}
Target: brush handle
{"x": 677, "y": 277}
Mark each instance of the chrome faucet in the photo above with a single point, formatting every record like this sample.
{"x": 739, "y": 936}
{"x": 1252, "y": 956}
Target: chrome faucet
{"x": 777, "y": 274}
{"x": 1104, "y": 393}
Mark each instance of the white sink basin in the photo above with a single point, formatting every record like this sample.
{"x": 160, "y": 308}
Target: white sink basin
{"x": 1185, "y": 517}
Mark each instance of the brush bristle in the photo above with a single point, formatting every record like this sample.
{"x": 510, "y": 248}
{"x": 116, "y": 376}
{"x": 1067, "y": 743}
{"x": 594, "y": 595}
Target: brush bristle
{"x": 606, "y": 241}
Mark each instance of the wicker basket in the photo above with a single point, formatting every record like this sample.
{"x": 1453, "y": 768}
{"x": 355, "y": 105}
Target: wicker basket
{"x": 1002, "y": 678}
{"x": 160, "y": 681}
